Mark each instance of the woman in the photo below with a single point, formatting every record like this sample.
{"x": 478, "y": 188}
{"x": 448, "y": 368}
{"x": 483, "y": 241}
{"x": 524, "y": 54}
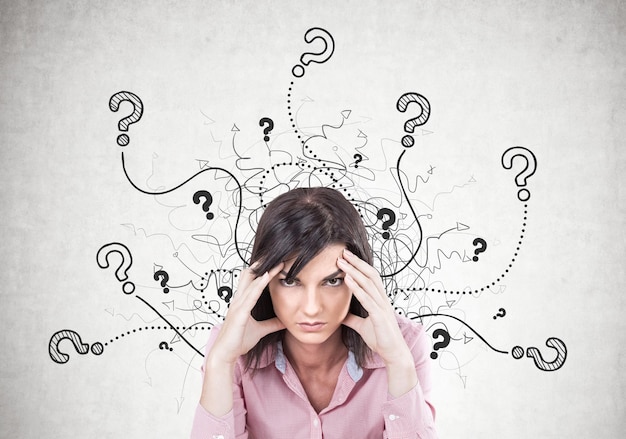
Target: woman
{"x": 311, "y": 346}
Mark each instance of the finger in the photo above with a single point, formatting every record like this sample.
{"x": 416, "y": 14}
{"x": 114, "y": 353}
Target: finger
{"x": 363, "y": 281}
{"x": 355, "y": 322}
{"x": 368, "y": 302}
{"x": 364, "y": 267}
{"x": 253, "y": 292}
{"x": 269, "y": 326}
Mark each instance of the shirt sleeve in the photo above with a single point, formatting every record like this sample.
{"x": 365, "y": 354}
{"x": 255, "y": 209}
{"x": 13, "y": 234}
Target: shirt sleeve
{"x": 233, "y": 424}
{"x": 412, "y": 415}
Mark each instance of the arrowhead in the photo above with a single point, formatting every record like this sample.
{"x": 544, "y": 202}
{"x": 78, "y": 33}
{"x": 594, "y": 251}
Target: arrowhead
{"x": 307, "y": 99}
{"x": 234, "y": 128}
{"x": 171, "y": 302}
{"x": 111, "y": 311}
{"x": 426, "y": 132}
{"x": 467, "y": 339}
{"x": 346, "y": 113}
{"x": 460, "y": 226}
{"x": 450, "y": 303}
{"x": 362, "y": 135}
{"x": 203, "y": 163}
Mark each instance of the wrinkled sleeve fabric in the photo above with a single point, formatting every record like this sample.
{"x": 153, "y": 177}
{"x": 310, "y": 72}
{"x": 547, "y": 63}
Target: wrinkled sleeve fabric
{"x": 412, "y": 415}
{"x": 233, "y": 424}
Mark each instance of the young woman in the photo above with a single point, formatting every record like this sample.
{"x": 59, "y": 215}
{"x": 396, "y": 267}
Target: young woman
{"x": 311, "y": 346}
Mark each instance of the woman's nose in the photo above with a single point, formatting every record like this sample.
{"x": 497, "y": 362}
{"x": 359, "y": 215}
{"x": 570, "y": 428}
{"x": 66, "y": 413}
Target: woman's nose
{"x": 311, "y": 302}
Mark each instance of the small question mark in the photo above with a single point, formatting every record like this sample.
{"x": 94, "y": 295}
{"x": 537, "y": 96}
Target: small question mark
{"x": 409, "y": 125}
{"x": 67, "y": 334}
{"x": 207, "y": 204}
{"x": 165, "y": 278}
{"x": 114, "y": 104}
{"x": 386, "y": 224}
{"x": 268, "y": 129}
{"x": 358, "y": 158}
{"x": 102, "y": 257}
{"x": 311, "y": 35}
{"x": 225, "y": 293}
{"x": 441, "y": 344}
{"x": 482, "y": 248}
{"x": 164, "y": 345}
{"x": 548, "y": 366}
{"x": 521, "y": 178}
{"x": 501, "y": 313}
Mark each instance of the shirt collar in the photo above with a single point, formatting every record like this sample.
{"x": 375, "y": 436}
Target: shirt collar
{"x": 355, "y": 372}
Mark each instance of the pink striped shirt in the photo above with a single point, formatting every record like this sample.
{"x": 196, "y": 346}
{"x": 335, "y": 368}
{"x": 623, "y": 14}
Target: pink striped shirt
{"x": 272, "y": 404}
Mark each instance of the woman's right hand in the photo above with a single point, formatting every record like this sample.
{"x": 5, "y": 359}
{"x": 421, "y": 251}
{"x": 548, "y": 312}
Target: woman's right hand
{"x": 240, "y": 331}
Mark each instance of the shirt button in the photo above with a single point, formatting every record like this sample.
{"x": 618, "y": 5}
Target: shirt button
{"x": 216, "y": 436}
{"x": 316, "y": 422}
{"x": 393, "y": 417}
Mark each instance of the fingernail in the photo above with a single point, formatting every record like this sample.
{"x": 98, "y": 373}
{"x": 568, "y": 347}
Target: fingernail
{"x": 347, "y": 252}
{"x": 341, "y": 261}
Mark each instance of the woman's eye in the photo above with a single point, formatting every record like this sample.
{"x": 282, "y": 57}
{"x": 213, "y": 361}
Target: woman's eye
{"x": 335, "y": 282}
{"x": 288, "y": 282}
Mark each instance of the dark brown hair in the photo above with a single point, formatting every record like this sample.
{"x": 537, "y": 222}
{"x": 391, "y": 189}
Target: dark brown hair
{"x": 301, "y": 223}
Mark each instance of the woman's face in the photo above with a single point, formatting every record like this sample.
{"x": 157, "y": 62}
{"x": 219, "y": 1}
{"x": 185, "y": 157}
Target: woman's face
{"x": 313, "y": 305}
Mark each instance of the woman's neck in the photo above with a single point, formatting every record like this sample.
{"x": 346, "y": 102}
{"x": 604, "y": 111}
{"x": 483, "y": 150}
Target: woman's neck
{"x": 315, "y": 358}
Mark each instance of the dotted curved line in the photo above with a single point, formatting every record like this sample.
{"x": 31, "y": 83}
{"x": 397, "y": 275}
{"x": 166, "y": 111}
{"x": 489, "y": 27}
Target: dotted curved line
{"x": 498, "y": 279}
{"x": 147, "y": 328}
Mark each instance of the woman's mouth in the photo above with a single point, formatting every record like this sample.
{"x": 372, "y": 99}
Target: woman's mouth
{"x": 311, "y": 326}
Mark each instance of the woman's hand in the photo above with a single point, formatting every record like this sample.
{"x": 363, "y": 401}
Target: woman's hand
{"x": 240, "y": 331}
{"x": 380, "y": 329}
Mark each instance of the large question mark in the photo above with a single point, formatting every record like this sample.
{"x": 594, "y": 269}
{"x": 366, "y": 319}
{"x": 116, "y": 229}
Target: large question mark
{"x": 358, "y": 158}
{"x": 409, "y": 125}
{"x": 389, "y": 222}
{"x": 114, "y": 104}
{"x": 548, "y": 366}
{"x": 161, "y": 274}
{"x": 207, "y": 204}
{"x": 268, "y": 129}
{"x": 102, "y": 257}
{"x": 482, "y": 248}
{"x": 441, "y": 344}
{"x": 67, "y": 334}
{"x": 530, "y": 168}
{"x": 315, "y": 33}
{"x": 225, "y": 293}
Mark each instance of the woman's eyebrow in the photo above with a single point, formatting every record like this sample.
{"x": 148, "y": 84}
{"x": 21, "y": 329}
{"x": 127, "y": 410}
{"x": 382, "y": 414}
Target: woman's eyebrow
{"x": 334, "y": 275}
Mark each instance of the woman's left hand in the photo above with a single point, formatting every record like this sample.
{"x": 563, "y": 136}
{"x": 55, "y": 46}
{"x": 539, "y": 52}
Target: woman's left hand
{"x": 380, "y": 329}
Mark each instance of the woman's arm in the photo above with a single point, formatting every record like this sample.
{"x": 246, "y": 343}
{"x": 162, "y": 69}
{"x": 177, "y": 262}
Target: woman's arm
{"x": 239, "y": 333}
{"x": 406, "y": 412}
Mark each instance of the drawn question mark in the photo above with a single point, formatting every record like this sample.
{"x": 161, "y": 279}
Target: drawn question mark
{"x": 389, "y": 222}
{"x": 358, "y": 158}
{"x": 207, "y": 204}
{"x": 225, "y": 293}
{"x": 268, "y": 129}
{"x": 501, "y": 313}
{"x": 102, "y": 257}
{"x": 482, "y": 248}
{"x": 315, "y": 33}
{"x": 67, "y": 334}
{"x": 441, "y": 344}
{"x": 529, "y": 169}
{"x": 421, "y": 119}
{"x": 161, "y": 274}
{"x": 114, "y": 104}
{"x": 164, "y": 345}
{"x": 547, "y": 366}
